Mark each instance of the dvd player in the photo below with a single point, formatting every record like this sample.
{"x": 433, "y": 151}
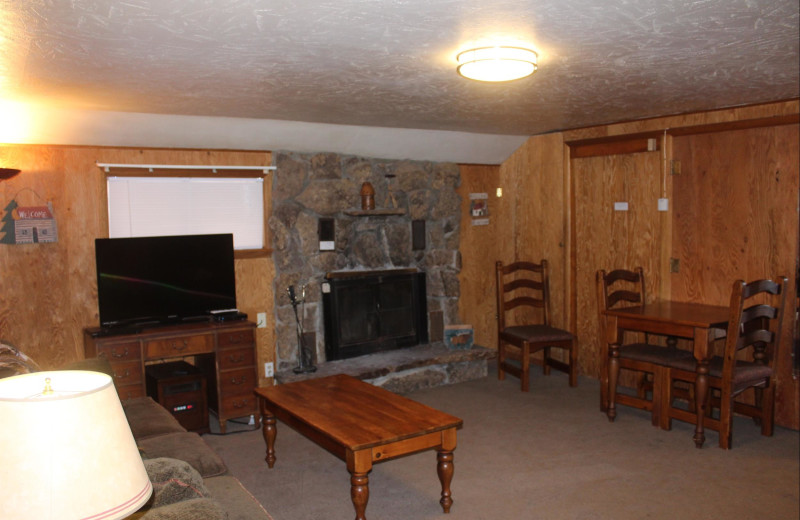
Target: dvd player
{"x": 228, "y": 315}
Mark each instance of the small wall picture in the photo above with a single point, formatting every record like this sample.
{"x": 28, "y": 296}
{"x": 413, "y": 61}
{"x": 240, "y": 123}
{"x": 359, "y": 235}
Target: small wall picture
{"x": 479, "y": 205}
{"x": 28, "y": 224}
{"x": 479, "y": 208}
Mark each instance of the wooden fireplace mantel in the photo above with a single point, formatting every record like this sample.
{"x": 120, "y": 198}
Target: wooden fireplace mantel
{"x": 374, "y": 212}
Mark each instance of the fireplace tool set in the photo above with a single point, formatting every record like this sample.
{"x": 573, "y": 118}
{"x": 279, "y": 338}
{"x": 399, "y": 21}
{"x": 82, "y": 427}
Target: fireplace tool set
{"x": 304, "y": 359}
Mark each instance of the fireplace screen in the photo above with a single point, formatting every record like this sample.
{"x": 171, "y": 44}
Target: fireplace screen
{"x": 372, "y": 311}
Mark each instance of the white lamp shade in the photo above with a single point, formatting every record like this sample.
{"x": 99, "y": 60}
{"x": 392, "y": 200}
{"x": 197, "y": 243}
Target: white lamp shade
{"x": 68, "y": 455}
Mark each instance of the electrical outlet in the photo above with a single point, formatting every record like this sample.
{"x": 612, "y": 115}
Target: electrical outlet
{"x": 268, "y": 370}
{"x": 261, "y": 320}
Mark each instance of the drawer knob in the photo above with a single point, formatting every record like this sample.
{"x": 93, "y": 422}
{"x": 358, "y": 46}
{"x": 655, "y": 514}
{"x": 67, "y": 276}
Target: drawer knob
{"x": 240, "y": 404}
{"x": 123, "y": 375}
{"x": 236, "y": 359}
{"x": 242, "y": 380}
{"x": 123, "y": 354}
{"x": 179, "y": 347}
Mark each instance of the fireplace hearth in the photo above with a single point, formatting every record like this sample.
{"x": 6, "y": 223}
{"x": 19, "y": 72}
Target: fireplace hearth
{"x": 372, "y": 311}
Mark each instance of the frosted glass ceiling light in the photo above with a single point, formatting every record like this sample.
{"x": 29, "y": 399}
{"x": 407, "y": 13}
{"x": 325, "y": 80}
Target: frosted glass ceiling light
{"x": 497, "y": 63}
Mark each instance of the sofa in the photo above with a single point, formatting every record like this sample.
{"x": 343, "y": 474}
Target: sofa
{"x": 190, "y": 481}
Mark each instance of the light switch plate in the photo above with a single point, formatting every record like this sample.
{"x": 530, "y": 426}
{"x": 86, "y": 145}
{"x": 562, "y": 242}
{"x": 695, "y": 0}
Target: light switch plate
{"x": 663, "y": 204}
{"x": 620, "y": 206}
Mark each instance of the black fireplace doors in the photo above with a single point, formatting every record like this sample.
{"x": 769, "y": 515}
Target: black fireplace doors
{"x": 371, "y": 311}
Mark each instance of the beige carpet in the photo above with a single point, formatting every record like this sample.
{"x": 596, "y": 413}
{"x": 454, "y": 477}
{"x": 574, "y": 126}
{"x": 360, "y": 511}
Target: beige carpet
{"x": 548, "y": 454}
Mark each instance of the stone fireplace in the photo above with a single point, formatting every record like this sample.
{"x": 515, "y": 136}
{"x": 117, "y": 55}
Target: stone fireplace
{"x": 414, "y": 226}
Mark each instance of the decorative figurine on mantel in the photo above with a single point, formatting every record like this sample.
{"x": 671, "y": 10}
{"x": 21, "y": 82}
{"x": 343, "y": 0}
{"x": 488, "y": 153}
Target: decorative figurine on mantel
{"x": 367, "y": 196}
{"x": 304, "y": 360}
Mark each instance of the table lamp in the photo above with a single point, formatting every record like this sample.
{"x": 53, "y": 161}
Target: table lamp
{"x": 67, "y": 450}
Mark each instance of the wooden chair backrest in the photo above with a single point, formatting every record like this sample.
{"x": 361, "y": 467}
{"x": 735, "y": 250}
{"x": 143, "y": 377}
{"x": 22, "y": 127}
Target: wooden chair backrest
{"x": 755, "y": 320}
{"x": 620, "y": 286}
{"x": 531, "y": 282}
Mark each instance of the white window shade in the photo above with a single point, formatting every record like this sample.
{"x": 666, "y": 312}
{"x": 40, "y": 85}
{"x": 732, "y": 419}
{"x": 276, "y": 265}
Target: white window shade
{"x": 158, "y": 206}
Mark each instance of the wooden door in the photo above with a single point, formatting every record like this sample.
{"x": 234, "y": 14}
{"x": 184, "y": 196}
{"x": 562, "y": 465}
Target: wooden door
{"x": 605, "y": 238}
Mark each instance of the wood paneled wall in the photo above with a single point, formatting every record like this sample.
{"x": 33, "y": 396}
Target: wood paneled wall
{"x": 48, "y": 292}
{"x": 527, "y": 223}
{"x": 481, "y": 247}
{"x": 735, "y": 204}
{"x": 562, "y": 209}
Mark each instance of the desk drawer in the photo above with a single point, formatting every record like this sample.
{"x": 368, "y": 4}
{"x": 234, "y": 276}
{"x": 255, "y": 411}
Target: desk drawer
{"x": 238, "y": 405}
{"x": 236, "y": 358}
{"x": 116, "y": 352}
{"x": 235, "y": 382}
{"x": 180, "y": 346}
{"x": 127, "y": 373}
{"x": 236, "y": 338}
{"x": 130, "y": 391}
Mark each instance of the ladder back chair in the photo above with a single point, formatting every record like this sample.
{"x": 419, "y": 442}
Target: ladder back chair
{"x": 752, "y": 342}
{"x": 626, "y": 288}
{"x": 526, "y": 285}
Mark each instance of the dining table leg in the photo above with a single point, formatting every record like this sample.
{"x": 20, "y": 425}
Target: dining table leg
{"x": 701, "y": 349}
{"x": 700, "y": 392}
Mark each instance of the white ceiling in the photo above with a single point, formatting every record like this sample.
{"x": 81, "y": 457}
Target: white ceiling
{"x": 391, "y": 63}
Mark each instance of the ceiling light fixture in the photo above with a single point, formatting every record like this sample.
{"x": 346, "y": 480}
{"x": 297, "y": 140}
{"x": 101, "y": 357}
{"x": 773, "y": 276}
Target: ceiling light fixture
{"x": 498, "y": 63}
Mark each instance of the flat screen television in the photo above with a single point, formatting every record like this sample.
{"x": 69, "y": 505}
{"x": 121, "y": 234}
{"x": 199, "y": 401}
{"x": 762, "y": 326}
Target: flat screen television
{"x": 156, "y": 280}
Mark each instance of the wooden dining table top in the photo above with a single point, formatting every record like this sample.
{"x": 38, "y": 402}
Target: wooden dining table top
{"x": 678, "y": 313}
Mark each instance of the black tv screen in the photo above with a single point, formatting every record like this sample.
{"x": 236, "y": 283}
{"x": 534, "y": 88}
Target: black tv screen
{"x": 163, "y": 279}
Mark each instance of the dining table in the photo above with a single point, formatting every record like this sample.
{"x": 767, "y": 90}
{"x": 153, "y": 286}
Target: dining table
{"x": 701, "y": 323}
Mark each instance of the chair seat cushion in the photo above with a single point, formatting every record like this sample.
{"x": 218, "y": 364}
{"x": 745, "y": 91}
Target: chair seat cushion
{"x": 745, "y": 371}
{"x": 536, "y": 333}
{"x": 654, "y": 354}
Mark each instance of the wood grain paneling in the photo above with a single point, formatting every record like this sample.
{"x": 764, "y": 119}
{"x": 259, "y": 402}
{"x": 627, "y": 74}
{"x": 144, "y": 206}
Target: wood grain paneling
{"x": 48, "y": 292}
{"x": 481, "y": 247}
{"x": 786, "y": 108}
{"x": 609, "y": 239}
{"x": 528, "y": 222}
{"x": 541, "y": 208}
{"x": 735, "y": 205}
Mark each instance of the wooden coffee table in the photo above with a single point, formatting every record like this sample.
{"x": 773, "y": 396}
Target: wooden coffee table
{"x": 361, "y": 424}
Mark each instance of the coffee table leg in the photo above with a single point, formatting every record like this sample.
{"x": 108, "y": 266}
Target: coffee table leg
{"x": 359, "y": 493}
{"x": 270, "y": 432}
{"x": 444, "y": 456}
{"x": 359, "y": 464}
{"x": 445, "y": 470}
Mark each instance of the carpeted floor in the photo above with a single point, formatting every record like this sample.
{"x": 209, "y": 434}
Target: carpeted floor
{"x": 547, "y": 454}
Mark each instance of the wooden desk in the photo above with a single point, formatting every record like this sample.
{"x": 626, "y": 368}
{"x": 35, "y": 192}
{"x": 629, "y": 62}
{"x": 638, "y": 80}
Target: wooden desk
{"x": 361, "y": 424}
{"x": 225, "y": 352}
{"x": 699, "y": 322}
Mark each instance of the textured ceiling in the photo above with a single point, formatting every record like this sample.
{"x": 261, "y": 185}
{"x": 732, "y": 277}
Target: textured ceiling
{"x": 391, "y": 63}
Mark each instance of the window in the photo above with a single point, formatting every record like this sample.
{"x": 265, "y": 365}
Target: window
{"x": 154, "y": 206}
